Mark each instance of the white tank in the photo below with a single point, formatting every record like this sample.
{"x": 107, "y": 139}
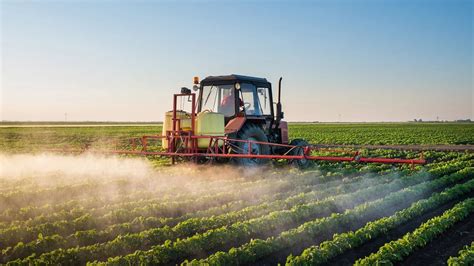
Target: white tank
{"x": 209, "y": 124}
{"x": 185, "y": 123}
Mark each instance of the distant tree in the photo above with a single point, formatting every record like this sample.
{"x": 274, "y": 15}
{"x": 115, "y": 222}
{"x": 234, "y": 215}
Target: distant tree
{"x": 463, "y": 120}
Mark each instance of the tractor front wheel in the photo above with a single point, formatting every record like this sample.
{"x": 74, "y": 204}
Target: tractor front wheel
{"x": 299, "y": 150}
{"x": 252, "y": 133}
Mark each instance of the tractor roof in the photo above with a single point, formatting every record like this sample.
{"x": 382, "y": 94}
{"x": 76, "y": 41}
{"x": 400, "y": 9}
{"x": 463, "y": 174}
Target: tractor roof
{"x": 229, "y": 79}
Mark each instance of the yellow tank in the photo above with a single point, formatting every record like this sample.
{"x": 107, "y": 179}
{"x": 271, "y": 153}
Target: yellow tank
{"x": 185, "y": 123}
{"x": 209, "y": 124}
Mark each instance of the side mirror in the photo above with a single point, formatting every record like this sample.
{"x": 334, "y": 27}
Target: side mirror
{"x": 195, "y": 88}
{"x": 185, "y": 90}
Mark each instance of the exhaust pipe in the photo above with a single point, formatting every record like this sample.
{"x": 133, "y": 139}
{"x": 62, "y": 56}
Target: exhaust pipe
{"x": 279, "y": 90}
{"x": 279, "y": 113}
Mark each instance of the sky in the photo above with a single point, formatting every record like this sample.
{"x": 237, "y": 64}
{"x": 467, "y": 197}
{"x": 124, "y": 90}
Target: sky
{"x": 340, "y": 60}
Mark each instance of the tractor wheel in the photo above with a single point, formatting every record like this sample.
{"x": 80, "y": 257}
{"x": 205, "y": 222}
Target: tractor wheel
{"x": 300, "y": 163}
{"x": 255, "y": 133}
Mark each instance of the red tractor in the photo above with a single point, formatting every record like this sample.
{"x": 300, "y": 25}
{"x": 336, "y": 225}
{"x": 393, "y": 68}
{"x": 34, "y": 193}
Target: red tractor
{"x": 249, "y": 114}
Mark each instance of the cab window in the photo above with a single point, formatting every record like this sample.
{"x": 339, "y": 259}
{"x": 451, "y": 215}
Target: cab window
{"x": 264, "y": 101}
{"x": 220, "y": 99}
{"x": 250, "y": 102}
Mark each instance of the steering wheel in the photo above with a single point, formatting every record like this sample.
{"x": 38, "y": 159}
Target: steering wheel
{"x": 247, "y": 105}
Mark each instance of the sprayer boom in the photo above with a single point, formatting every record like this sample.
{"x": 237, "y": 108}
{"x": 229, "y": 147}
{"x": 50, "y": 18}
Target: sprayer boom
{"x": 232, "y": 119}
{"x": 185, "y": 147}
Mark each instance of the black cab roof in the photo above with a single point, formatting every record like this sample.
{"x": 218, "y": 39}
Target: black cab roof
{"x": 233, "y": 78}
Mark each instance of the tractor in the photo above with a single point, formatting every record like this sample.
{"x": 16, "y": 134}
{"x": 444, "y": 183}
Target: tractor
{"x": 249, "y": 113}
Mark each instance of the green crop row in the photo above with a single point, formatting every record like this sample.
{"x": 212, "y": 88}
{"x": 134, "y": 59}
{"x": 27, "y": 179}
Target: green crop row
{"x": 397, "y": 250}
{"x": 258, "y": 249}
{"x": 341, "y": 243}
{"x": 465, "y": 256}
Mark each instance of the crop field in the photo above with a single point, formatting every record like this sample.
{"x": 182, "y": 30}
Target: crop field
{"x": 62, "y": 209}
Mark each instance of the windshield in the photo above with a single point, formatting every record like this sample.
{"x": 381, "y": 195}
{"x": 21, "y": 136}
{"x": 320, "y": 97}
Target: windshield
{"x": 219, "y": 99}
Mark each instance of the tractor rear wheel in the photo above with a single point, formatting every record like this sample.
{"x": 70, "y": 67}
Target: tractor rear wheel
{"x": 299, "y": 150}
{"x": 253, "y": 133}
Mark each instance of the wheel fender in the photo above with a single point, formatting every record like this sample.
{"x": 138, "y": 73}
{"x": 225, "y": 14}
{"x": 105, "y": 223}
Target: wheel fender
{"x": 235, "y": 124}
{"x": 284, "y": 132}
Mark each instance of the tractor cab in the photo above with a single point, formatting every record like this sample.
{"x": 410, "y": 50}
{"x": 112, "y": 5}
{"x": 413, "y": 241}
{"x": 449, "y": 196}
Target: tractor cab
{"x": 236, "y": 96}
{"x": 244, "y": 102}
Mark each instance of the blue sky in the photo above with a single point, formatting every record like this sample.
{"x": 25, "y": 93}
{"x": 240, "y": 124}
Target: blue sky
{"x": 340, "y": 60}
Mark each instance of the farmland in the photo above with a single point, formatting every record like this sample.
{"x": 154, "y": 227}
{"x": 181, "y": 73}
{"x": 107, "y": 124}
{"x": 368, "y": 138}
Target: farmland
{"x": 73, "y": 210}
